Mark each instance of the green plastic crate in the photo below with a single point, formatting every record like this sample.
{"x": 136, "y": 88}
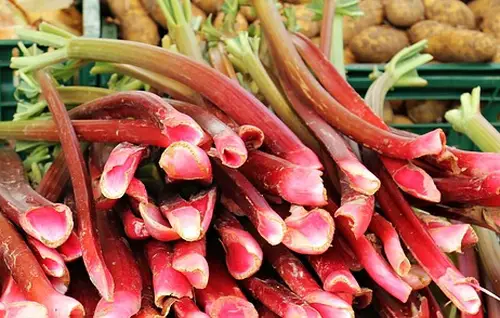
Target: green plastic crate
{"x": 445, "y": 82}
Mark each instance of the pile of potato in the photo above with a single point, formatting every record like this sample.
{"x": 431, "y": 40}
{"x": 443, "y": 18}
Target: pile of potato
{"x": 409, "y": 112}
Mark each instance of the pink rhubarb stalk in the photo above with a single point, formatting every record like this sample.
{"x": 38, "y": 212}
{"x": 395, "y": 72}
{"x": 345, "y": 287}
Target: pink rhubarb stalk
{"x": 128, "y": 282}
{"x": 393, "y": 250}
{"x": 356, "y": 209}
{"x": 11, "y": 292}
{"x": 23, "y": 309}
{"x": 487, "y": 217}
{"x": 460, "y": 189}
{"x": 417, "y": 278}
{"x": 184, "y": 161}
{"x": 298, "y": 185}
{"x": 252, "y": 136}
{"x": 409, "y": 177}
{"x": 234, "y": 185}
{"x": 50, "y": 223}
{"x": 133, "y": 226}
{"x": 468, "y": 266}
{"x": 120, "y": 169}
{"x": 279, "y": 299}
{"x": 168, "y": 284}
{"x": 186, "y": 308}
{"x": 458, "y": 288}
{"x": 189, "y": 260}
{"x": 222, "y": 297}
{"x": 98, "y": 155}
{"x": 155, "y": 223}
{"x": 50, "y": 260}
{"x": 71, "y": 249}
{"x": 230, "y": 147}
{"x": 308, "y": 232}
{"x": 148, "y": 307}
{"x": 243, "y": 253}
{"x": 476, "y": 164}
{"x": 30, "y": 277}
{"x": 91, "y": 247}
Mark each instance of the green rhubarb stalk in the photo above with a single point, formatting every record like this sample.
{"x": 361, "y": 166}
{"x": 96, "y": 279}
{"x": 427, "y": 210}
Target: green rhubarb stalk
{"x": 179, "y": 16}
{"x": 467, "y": 119}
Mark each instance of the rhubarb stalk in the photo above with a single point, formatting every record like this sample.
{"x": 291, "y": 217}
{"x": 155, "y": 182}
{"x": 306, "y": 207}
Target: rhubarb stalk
{"x": 155, "y": 223}
{"x": 133, "y": 226}
{"x": 189, "y": 260}
{"x": 50, "y": 260}
{"x": 30, "y": 277}
{"x": 243, "y": 254}
{"x": 91, "y": 247}
{"x": 186, "y": 308}
{"x": 185, "y": 161}
{"x": 50, "y": 223}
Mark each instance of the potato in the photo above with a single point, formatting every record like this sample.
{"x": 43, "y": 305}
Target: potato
{"x": 249, "y": 13}
{"x": 373, "y": 15}
{"x": 397, "y": 105}
{"x": 135, "y": 23}
{"x": 425, "y": 29}
{"x": 316, "y": 40}
{"x": 404, "y": 13}
{"x": 496, "y": 57}
{"x": 423, "y": 112}
{"x": 460, "y": 45}
{"x": 401, "y": 120}
{"x": 69, "y": 19}
{"x": 209, "y": 6}
{"x": 155, "y": 12}
{"x": 491, "y": 23}
{"x": 241, "y": 23}
{"x": 481, "y": 7}
{"x": 349, "y": 56}
{"x": 305, "y": 22}
{"x": 197, "y": 12}
{"x": 378, "y": 44}
{"x": 388, "y": 114}
{"x": 452, "y": 12}
{"x": 11, "y": 17}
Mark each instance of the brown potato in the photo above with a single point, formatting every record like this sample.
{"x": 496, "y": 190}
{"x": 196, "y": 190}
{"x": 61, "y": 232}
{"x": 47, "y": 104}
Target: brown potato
{"x": 460, "y": 45}
{"x": 305, "y": 22}
{"x": 249, "y": 13}
{"x": 491, "y": 23}
{"x": 397, "y": 105}
{"x": 349, "y": 57}
{"x": 404, "y": 13}
{"x": 496, "y": 57}
{"x": 388, "y": 114}
{"x": 425, "y": 29}
{"x": 316, "y": 40}
{"x": 209, "y": 6}
{"x": 401, "y": 120}
{"x": 378, "y": 44}
{"x": 423, "y": 112}
{"x": 482, "y": 7}
{"x": 373, "y": 15}
{"x": 135, "y": 23}
{"x": 197, "y": 12}
{"x": 452, "y": 12}
{"x": 155, "y": 12}
{"x": 241, "y": 23}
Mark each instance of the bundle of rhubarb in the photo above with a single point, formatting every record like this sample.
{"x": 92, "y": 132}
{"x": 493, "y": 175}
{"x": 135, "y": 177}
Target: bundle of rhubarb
{"x": 275, "y": 192}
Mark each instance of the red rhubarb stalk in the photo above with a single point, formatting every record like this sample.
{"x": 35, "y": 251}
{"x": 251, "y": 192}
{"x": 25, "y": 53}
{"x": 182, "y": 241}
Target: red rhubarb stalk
{"x": 252, "y": 136}
{"x": 155, "y": 223}
{"x": 186, "y": 308}
{"x": 473, "y": 163}
{"x": 98, "y": 155}
{"x": 222, "y": 297}
{"x": 434, "y": 308}
{"x": 234, "y": 185}
{"x": 341, "y": 118}
{"x": 168, "y": 284}
{"x": 81, "y": 289}
{"x": 71, "y": 249}
{"x": 243, "y": 253}
{"x": 184, "y": 161}
{"x": 30, "y": 277}
{"x": 458, "y": 288}
{"x": 120, "y": 169}
{"x": 133, "y": 226}
{"x": 50, "y": 223}
{"x": 278, "y": 298}
{"x": 11, "y": 292}
{"x": 189, "y": 260}
{"x": 393, "y": 250}
{"x": 487, "y": 217}
{"x": 137, "y": 190}
{"x": 50, "y": 260}
{"x": 23, "y": 309}
{"x": 460, "y": 189}
{"x": 298, "y": 185}
{"x": 308, "y": 232}
{"x": 91, "y": 247}
{"x": 468, "y": 266}
{"x": 55, "y": 179}
{"x": 409, "y": 177}
{"x": 417, "y": 278}
{"x": 230, "y": 147}
{"x": 356, "y": 209}
{"x": 123, "y": 267}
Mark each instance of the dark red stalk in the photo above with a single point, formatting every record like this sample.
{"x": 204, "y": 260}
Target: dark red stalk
{"x": 230, "y": 147}
{"x": 71, "y": 249}
{"x": 124, "y": 269}
{"x": 493, "y": 308}
{"x": 493, "y": 201}
{"x": 137, "y": 190}
{"x": 99, "y": 130}
{"x": 417, "y": 278}
{"x": 82, "y": 289}
{"x": 298, "y": 185}
{"x": 30, "y": 277}
{"x": 389, "y": 307}
{"x": 252, "y": 136}
{"x": 189, "y": 259}
{"x": 356, "y": 209}
{"x": 460, "y": 189}
{"x": 278, "y": 298}
{"x": 189, "y": 218}
{"x": 55, "y": 179}
{"x": 50, "y": 223}
{"x": 468, "y": 266}
{"x": 98, "y": 155}
{"x": 173, "y": 124}
{"x": 120, "y": 169}
{"x": 397, "y": 210}
{"x": 133, "y": 226}
{"x": 243, "y": 253}
{"x": 185, "y": 161}
{"x": 393, "y": 250}
{"x": 234, "y": 185}
{"x": 266, "y": 313}
{"x": 487, "y": 217}
{"x": 222, "y": 297}
{"x": 356, "y": 175}
{"x": 341, "y": 118}
{"x": 155, "y": 223}
{"x": 168, "y": 284}
{"x": 91, "y": 247}
{"x": 420, "y": 184}
{"x": 434, "y": 308}
{"x": 51, "y": 261}
{"x": 476, "y": 164}
{"x": 240, "y": 105}
{"x": 186, "y": 308}
{"x": 307, "y": 232}
{"x": 230, "y": 205}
